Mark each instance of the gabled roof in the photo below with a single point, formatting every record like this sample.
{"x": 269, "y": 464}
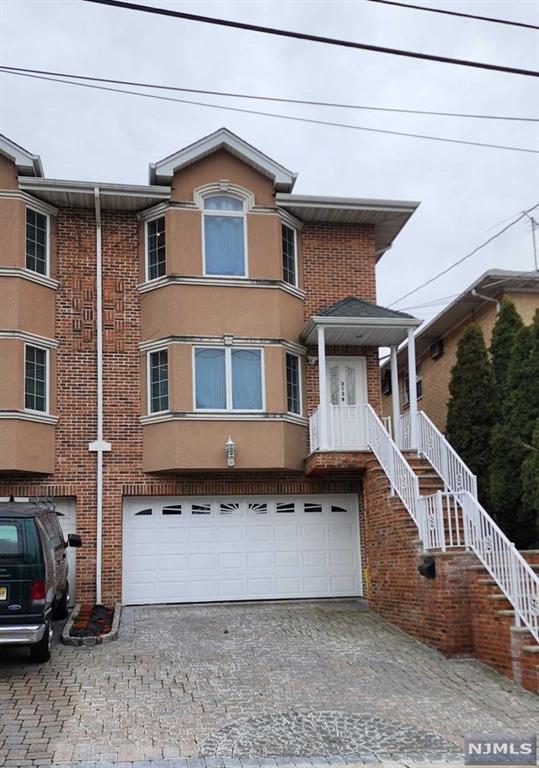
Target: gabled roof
{"x": 162, "y": 171}
{"x": 27, "y": 164}
{"x": 492, "y": 285}
{"x": 354, "y": 307}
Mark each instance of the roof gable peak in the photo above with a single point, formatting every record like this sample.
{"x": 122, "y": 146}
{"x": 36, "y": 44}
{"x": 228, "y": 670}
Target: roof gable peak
{"x": 162, "y": 171}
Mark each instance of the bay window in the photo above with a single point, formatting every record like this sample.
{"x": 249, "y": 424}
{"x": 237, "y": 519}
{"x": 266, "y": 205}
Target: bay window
{"x": 37, "y": 242}
{"x": 293, "y": 391}
{"x": 228, "y": 379}
{"x": 158, "y": 381}
{"x": 155, "y": 248}
{"x": 36, "y": 374}
{"x": 289, "y": 248}
{"x": 224, "y": 236}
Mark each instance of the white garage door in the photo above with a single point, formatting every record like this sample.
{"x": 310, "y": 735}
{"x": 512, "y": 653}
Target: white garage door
{"x": 203, "y": 549}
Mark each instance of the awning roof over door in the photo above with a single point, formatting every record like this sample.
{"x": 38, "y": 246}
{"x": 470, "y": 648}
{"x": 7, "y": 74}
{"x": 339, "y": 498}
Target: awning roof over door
{"x": 354, "y": 321}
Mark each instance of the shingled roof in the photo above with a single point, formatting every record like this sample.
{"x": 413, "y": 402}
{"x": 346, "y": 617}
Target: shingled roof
{"x": 354, "y": 307}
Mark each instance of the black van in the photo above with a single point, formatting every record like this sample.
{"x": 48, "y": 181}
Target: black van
{"x": 34, "y": 587}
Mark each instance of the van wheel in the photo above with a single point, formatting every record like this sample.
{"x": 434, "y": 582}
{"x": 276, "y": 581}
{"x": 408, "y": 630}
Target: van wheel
{"x": 62, "y": 607}
{"x": 41, "y": 652}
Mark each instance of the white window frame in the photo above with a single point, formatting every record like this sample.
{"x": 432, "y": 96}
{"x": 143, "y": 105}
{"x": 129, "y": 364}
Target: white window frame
{"x": 228, "y": 379}
{"x": 300, "y": 383}
{"x": 148, "y": 380}
{"x": 147, "y": 277}
{"x": 295, "y": 284}
{"x": 232, "y": 214}
{"x": 418, "y": 379}
{"x": 47, "y": 379}
{"x": 47, "y": 242}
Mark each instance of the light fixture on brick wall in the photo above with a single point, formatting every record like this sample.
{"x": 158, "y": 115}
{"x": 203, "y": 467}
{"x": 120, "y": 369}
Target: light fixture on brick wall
{"x": 230, "y": 451}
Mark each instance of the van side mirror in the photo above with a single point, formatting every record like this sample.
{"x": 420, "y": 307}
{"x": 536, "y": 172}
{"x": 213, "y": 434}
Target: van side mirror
{"x": 74, "y": 540}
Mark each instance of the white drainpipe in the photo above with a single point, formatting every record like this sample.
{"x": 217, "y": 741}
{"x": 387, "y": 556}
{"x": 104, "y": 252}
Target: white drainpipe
{"x": 99, "y": 445}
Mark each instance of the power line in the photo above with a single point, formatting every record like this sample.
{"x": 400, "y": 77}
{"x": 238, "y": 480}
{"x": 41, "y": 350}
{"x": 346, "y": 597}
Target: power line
{"x": 256, "y": 97}
{"x": 312, "y": 38}
{"x": 457, "y": 13}
{"x": 293, "y": 118}
{"x": 467, "y": 256}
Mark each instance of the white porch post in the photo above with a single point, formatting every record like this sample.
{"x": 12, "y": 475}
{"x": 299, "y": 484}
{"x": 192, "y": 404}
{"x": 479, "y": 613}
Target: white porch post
{"x": 412, "y": 383}
{"x": 395, "y": 395}
{"x": 322, "y": 389}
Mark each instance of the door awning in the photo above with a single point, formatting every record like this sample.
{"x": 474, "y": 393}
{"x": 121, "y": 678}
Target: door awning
{"x": 356, "y": 322}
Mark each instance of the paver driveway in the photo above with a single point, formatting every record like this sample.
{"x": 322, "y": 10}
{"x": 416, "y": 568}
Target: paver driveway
{"x": 310, "y": 678}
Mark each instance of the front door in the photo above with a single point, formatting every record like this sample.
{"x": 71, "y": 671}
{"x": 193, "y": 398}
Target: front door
{"x": 347, "y": 380}
{"x": 346, "y": 393}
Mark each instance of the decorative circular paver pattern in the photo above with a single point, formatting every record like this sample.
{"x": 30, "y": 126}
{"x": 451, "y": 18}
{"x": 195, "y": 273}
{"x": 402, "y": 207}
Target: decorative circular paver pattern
{"x": 310, "y": 734}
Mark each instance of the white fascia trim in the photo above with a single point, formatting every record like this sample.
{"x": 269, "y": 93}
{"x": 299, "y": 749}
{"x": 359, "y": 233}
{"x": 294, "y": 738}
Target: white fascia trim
{"x": 20, "y": 156}
{"x": 85, "y": 187}
{"x": 236, "y": 282}
{"x": 223, "y": 138}
{"x": 382, "y": 322}
{"x": 154, "y": 212}
{"x": 290, "y": 220}
{"x": 224, "y": 416}
{"x": 27, "y": 274}
{"x": 154, "y": 345}
{"x": 42, "y": 418}
{"x": 33, "y": 202}
{"x": 30, "y": 338}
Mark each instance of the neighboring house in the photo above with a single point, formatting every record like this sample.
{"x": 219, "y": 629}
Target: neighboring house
{"x": 436, "y": 342}
{"x": 160, "y": 352}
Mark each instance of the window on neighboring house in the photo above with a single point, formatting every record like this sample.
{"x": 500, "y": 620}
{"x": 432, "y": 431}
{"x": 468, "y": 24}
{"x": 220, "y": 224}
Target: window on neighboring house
{"x": 37, "y": 236}
{"x": 158, "y": 380}
{"x": 293, "y": 383}
{"x": 289, "y": 255}
{"x": 228, "y": 379}
{"x": 419, "y": 386}
{"x": 155, "y": 248}
{"x": 224, "y": 236}
{"x": 35, "y": 379}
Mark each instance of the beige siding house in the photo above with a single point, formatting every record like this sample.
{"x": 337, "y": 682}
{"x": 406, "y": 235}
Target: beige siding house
{"x": 437, "y": 341}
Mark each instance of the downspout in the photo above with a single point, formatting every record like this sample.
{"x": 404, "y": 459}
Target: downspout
{"x": 99, "y": 445}
{"x": 487, "y": 298}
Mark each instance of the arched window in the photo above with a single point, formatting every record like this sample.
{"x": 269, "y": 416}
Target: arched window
{"x": 225, "y": 251}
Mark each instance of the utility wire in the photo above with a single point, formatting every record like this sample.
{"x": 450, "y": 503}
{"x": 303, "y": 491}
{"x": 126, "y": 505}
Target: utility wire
{"x": 457, "y": 13}
{"x": 304, "y": 102}
{"x": 312, "y": 38}
{"x": 464, "y": 258}
{"x": 293, "y": 118}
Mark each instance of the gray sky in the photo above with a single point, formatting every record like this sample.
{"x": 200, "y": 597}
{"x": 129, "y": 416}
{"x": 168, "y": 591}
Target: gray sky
{"x": 464, "y": 191}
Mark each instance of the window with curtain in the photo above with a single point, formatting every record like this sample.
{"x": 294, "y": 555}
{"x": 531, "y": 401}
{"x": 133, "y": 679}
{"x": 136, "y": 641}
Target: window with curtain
{"x": 36, "y": 241}
{"x": 289, "y": 255}
{"x": 228, "y": 379}
{"x": 158, "y": 375}
{"x": 224, "y": 236}
{"x": 293, "y": 383}
{"x": 35, "y": 379}
{"x": 155, "y": 248}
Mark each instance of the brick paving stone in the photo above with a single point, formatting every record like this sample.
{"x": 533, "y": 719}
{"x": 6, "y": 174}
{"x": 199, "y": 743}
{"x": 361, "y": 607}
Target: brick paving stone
{"x": 175, "y": 686}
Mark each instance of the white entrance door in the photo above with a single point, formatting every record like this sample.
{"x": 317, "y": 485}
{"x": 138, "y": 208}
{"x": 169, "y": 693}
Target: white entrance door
{"x": 181, "y": 550}
{"x": 66, "y": 509}
{"x": 347, "y": 393}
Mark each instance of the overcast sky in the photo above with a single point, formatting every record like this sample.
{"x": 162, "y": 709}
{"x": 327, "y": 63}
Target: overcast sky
{"x": 465, "y": 192}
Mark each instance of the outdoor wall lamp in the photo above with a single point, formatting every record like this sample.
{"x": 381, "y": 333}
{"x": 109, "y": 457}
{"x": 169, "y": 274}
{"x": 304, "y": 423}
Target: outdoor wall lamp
{"x": 230, "y": 451}
{"x": 427, "y": 567}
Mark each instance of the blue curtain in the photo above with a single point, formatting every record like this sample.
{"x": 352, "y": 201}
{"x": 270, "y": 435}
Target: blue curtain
{"x": 210, "y": 378}
{"x": 246, "y": 379}
{"x": 224, "y": 245}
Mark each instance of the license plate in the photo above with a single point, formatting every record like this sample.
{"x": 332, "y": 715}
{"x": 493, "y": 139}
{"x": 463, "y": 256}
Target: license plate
{"x": 3, "y": 593}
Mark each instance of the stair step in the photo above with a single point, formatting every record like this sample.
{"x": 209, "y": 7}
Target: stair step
{"x": 489, "y": 582}
{"x": 531, "y": 648}
{"x": 508, "y": 612}
{"x": 499, "y": 596}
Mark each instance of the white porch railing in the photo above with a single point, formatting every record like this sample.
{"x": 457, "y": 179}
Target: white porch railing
{"x": 346, "y": 430}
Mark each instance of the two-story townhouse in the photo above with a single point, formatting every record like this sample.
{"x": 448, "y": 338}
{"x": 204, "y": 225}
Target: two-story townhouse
{"x": 164, "y": 353}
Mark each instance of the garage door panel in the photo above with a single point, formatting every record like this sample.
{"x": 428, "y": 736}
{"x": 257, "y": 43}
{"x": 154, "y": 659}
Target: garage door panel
{"x": 238, "y": 549}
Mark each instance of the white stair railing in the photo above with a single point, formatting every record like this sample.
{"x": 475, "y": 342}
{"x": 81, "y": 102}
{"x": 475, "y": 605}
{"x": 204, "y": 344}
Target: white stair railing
{"x": 513, "y": 575}
{"x": 455, "y": 518}
{"x": 404, "y": 481}
{"x": 314, "y": 429}
{"x": 455, "y": 473}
